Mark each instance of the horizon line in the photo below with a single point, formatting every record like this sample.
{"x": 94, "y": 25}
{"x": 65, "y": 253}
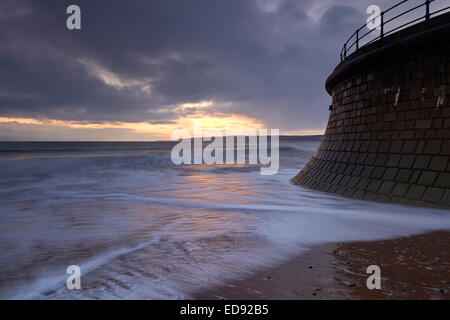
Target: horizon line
{"x": 125, "y": 141}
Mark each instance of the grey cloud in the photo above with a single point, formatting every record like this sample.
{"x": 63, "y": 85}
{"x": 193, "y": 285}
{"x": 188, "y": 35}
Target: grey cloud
{"x": 269, "y": 63}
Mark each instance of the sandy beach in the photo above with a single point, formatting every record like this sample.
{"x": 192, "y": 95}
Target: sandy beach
{"x": 415, "y": 267}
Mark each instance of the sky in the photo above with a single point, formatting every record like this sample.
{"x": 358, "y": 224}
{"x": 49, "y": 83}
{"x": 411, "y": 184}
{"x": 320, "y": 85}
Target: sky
{"x": 137, "y": 70}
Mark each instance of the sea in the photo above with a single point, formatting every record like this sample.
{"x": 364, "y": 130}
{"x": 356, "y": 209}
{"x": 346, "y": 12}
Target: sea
{"x": 140, "y": 227}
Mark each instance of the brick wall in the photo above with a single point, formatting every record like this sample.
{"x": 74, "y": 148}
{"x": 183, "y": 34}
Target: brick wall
{"x": 388, "y": 134}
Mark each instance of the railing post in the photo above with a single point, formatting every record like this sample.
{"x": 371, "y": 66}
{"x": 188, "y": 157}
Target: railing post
{"x": 345, "y": 50}
{"x": 427, "y": 12}
{"x": 357, "y": 39}
{"x": 382, "y": 25}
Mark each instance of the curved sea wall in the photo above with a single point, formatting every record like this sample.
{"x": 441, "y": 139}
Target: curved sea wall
{"x": 388, "y": 134}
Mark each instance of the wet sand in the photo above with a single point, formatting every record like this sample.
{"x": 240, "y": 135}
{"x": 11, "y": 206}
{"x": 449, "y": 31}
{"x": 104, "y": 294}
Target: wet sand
{"x": 416, "y": 267}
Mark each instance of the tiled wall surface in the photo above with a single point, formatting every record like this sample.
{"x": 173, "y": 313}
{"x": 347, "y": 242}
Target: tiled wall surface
{"x": 388, "y": 135}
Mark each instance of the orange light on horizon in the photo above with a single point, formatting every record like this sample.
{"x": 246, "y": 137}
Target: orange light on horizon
{"x": 220, "y": 122}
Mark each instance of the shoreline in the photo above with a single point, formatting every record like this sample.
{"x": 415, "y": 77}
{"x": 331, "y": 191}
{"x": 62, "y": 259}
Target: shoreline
{"x": 412, "y": 267}
{"x": 306, "y": 276}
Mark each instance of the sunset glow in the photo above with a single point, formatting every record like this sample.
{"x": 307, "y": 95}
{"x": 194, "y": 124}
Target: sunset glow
{"x": 133, "y": 130}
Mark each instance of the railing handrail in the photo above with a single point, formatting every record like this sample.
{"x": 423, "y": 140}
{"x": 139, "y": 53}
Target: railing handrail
{"x": 358, "y": 37}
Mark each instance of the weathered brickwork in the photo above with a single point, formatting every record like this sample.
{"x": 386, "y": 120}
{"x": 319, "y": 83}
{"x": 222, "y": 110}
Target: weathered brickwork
{"x": 388, "y": 134}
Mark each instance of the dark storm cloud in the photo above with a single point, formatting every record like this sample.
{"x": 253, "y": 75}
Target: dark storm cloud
{"x": 136, "y": 60}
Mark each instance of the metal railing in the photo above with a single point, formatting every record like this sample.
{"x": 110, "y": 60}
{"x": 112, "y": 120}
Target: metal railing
{"x": 357, "y": 36}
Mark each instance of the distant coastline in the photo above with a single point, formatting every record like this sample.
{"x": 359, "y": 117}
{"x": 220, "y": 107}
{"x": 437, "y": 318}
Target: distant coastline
{"x": 414, "y": 267}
